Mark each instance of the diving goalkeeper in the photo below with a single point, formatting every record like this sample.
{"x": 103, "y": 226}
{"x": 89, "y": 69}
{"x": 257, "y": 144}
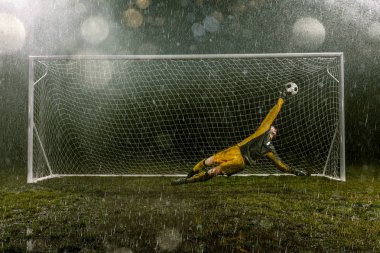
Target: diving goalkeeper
{"x": 233, "y": 160}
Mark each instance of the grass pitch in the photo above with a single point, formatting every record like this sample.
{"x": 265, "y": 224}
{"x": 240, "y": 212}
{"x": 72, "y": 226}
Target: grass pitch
{"x": 236, "y": 214}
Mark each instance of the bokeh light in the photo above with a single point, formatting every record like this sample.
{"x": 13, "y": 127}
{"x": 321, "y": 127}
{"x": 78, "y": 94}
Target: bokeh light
{"x": 143, "y": 4}
{"x": 373, "y": 32}
{"x": 308, "y": 33}
{"x": 95, "y": 29}
{"x": 198, "y": 30}
{"x": 211, "y": 24}
{"x": 133, "y": 18}
{"x": 169, "y": 239}
{"x": 12, "y": 34}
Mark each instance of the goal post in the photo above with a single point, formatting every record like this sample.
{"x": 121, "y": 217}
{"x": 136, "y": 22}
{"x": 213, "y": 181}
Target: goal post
{"x": 158, "y": 115}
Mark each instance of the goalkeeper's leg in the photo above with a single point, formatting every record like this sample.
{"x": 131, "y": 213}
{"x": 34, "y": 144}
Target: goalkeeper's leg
{"x": 200, "y": 176}
{"x": 226, "y": 168}
{"x": 228, "y": 162}
{"x": 197, "y": 168}
{"x": 200, "y": 166}
{"x": 205, "y": 175}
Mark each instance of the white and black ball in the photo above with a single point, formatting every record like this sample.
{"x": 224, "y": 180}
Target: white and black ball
{"x": 291, "y": 88}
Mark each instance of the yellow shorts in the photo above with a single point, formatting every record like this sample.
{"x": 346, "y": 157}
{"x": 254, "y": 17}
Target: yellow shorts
{"x": 230, "y": 160}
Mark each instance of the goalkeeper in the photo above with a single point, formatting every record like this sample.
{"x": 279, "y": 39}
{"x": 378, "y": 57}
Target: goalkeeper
{"x": 233, "y": 160}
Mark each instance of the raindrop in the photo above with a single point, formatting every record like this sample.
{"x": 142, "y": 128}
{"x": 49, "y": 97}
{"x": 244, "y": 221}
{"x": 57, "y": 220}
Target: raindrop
{"x": 29, "y": 245}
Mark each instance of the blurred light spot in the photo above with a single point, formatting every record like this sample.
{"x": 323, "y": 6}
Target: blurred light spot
{"x": 12, "y": 33}
{"x": 198, "y": 30}
{"x": 211, "y": 24}
{"x": 218, "y": 16}
{"x": 95, "y": 29}
{"x": 143, "y": 4}
{"x": 133, "y": 18}
{"x": 308, "y": 33}
{"x": 169, "y": 239}
{"x": 374, "y": 31}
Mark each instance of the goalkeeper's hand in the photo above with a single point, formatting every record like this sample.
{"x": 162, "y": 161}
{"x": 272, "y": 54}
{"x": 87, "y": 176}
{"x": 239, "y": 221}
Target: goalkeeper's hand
{"x": 285, "y": 94}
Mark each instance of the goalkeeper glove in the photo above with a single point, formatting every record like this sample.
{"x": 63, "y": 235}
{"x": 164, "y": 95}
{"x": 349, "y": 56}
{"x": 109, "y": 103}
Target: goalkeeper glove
{"x": 299, "y": 173}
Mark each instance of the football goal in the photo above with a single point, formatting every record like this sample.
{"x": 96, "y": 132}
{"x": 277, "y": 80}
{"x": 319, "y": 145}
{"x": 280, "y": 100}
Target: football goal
{"x": 157, "y": 115}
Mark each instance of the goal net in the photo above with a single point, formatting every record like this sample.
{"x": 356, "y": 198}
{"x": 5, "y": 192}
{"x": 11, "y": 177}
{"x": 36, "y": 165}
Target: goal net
{"x": 160, "y": 115}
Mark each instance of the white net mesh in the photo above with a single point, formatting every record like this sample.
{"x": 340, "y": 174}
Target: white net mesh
{"x": 160, "y": 116}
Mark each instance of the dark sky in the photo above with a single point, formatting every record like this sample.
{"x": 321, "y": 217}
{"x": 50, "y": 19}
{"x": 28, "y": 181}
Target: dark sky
{"x": 54, "y": 27}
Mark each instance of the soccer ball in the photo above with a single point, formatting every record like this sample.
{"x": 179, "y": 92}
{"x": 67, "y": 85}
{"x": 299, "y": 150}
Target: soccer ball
{"x": 291, "y": 88}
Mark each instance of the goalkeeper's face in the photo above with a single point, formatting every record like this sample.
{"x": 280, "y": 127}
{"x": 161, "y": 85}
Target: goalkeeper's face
{"x": 273, "y": 132}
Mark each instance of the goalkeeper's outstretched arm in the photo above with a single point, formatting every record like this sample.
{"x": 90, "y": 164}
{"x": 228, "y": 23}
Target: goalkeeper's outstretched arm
{"x": 282, "y": 166}
{"x": 277, "y": 162}
{"x": 267, "y": 122}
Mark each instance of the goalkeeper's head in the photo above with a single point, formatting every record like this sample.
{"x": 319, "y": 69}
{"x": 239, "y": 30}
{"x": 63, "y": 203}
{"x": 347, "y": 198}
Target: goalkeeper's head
{"x": 272, "y": 132}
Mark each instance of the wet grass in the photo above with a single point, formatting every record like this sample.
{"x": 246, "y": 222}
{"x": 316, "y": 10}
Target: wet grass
{"x": 236, "y": 214}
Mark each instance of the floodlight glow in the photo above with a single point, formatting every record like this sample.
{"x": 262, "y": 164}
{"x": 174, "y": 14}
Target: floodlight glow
{"x": 308, "y": 33}
{"x": 12, "y": 33}
{"x": 95, "y": 29}
{"x": 373, "y": 31}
